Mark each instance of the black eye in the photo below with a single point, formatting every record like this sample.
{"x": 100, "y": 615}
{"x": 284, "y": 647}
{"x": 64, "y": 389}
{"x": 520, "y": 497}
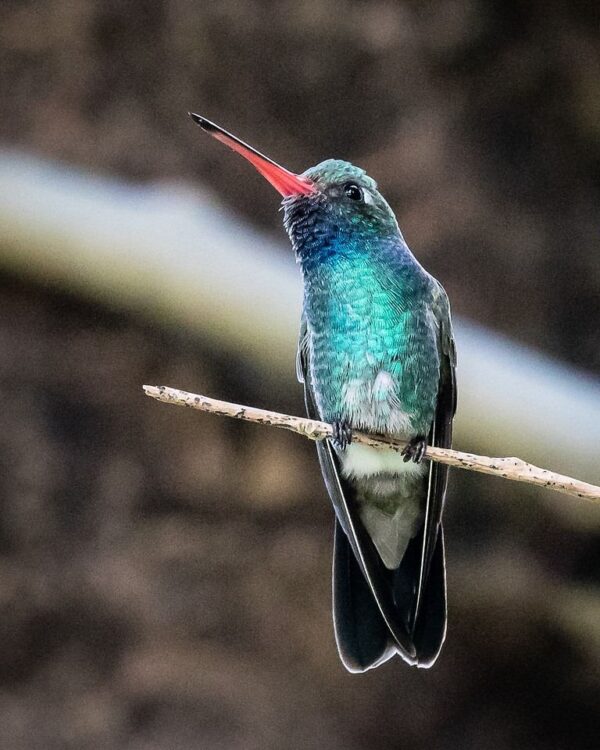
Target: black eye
{"x": 352, "y": 191}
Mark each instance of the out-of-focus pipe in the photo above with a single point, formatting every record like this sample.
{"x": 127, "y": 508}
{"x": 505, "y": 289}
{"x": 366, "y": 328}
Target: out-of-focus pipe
{"x": 175, "y": 255}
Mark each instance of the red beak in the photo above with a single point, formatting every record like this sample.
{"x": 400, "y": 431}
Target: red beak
{"x": 285, "y": 182}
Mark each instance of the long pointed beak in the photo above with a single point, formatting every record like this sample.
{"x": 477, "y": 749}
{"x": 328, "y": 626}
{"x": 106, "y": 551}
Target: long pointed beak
{"x": 285, "y": 182}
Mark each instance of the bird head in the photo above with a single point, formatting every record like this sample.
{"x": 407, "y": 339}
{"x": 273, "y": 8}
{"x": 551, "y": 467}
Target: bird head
{"x": 332, "y": 199}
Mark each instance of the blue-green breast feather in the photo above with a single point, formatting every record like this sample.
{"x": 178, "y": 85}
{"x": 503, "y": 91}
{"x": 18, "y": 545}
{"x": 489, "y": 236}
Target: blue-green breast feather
{"x": 367, "y": 305}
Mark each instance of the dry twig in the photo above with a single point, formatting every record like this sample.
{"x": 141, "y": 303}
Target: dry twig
{"x": 508, "y": 468}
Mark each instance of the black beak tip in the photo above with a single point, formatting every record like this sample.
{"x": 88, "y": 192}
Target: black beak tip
{"x": 202, "y": 122}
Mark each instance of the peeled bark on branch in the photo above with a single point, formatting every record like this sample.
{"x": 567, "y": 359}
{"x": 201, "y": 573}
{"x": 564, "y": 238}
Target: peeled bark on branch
{"x": 507, "y": 468}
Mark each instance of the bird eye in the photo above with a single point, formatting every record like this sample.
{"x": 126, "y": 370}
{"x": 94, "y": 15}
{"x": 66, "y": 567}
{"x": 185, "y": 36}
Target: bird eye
{"x": 352, "y": 191}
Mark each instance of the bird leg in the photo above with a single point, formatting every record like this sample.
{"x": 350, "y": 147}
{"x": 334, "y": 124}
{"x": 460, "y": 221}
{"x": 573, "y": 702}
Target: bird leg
{"x": 342, "y": 434}
{"x": 415, "y": 449}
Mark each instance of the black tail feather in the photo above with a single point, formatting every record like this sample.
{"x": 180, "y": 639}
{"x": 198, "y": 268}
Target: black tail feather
{"x": 362, "y": 636}
{"x": 430, "y": 628}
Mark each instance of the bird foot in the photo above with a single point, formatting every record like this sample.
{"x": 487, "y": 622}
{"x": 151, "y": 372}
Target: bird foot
{"x": 342, "y": 435}
{"x": 415, "y": 449}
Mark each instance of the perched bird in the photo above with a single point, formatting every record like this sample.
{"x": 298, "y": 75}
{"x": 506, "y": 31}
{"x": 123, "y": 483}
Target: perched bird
{"x": 376, "y": 353}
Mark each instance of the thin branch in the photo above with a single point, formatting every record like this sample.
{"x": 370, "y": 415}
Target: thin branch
{"x": 508, "y": 468}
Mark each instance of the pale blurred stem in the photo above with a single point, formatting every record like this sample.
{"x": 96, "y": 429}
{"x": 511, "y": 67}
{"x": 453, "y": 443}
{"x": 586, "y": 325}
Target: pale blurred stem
{"x": 507, "y": 468}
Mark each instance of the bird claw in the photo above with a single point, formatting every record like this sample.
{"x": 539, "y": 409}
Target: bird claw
{"x": 415, "y": 449}
{"x": 342, "y": 435}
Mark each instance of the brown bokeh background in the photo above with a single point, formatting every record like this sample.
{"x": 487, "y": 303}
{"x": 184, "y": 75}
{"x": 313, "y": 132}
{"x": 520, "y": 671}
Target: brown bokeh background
{"x": 164, "y": 577}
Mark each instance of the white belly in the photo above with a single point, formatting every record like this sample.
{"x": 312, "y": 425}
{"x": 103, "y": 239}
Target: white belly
{"x": 360, "y": 461}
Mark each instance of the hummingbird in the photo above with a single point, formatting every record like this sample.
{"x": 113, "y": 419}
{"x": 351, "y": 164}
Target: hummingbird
{"x": 376, "y": 353}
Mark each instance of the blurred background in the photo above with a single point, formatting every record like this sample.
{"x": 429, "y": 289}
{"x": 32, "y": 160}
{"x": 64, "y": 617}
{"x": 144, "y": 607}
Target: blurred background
{"x": 165, "y": 575}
